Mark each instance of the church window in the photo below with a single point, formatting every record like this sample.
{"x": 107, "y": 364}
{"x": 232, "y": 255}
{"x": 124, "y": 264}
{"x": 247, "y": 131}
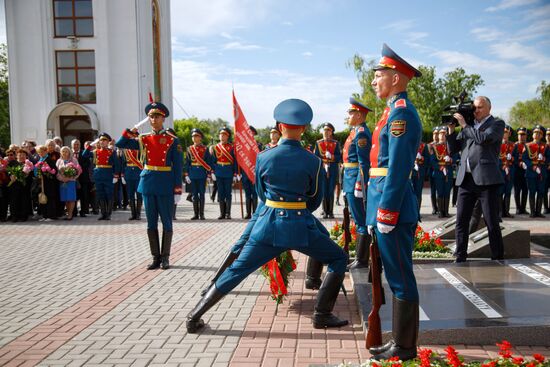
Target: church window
{"x": 75, "y": 76}
{"x": 73, "y": 18}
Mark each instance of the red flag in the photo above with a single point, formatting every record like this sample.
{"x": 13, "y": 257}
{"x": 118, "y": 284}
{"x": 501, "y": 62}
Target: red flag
{"x": 246, "y": 148}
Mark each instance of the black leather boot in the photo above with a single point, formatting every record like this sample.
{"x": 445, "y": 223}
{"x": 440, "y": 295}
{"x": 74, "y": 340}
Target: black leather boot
{"x": 434, "y": 204}
{"x": 545, "y": 203}
{"x": 195, "y": 209}
{"x": 132, "y": 203}
{"x": 138, "y": 208}
{"x": 222, "y": 210}
{"x": 254, "y": 204}
{"x": 201, "y": 207}
{"x": 102, "y": 209}
{"x": 314, "y": 269}
{"x": 330, "y": 207}
{"x": 446, "y": 202}
{"x": 174, "y": 212}
{"x": 326, "y": 298}
{"x": 538, "y": 212}
{"x": 229, "y": 259}
{"x": 228, "y": 209}
{"x": 532, "y": 205}
{"x": 517, "y": 199}
{"x": 506, "y": 213}
{"x": 524, "y": 194}
{"x": 108, "y": 208}
{"x": 153, "y": 235}
{"x": 440, "y": 212}
{"x": 165, "y": 250}
{"x": 362, "y": 253}
{"x": 248, "y": 209}
{"x": 325, "y": 209}
{"x": 404, "y": 331}
{"x": 194, "y": 321}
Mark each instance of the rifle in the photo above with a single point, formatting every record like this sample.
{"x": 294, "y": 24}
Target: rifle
{"x": 374, "y": 331}
{"x": 345, "y": 226}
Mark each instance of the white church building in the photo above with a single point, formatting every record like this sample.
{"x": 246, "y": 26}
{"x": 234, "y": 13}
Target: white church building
{"x": 80, "y": 67}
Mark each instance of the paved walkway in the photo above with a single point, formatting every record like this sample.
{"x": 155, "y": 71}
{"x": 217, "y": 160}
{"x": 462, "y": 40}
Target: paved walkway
{"x": 76, "y": 293}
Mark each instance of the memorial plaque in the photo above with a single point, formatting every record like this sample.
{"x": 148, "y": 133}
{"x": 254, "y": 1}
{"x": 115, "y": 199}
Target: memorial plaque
{"x": 446, "y": 230}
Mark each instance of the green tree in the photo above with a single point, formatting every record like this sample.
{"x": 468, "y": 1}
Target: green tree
{"x": 209, "y": 128}
{"x": 429, "y": 94}
{"x": 533, "y": 111}
{"x": 4, "y": 99}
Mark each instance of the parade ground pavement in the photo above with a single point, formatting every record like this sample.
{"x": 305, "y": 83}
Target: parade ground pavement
{"x": 77, "y": 293}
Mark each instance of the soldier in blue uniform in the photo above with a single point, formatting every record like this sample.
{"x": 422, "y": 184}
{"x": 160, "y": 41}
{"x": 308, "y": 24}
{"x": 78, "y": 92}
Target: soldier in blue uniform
{"x": 356, "y": 175}
{"x": 442, "y": 172}
{"x": 225, "y": 171}
{"x": 288, "y": 181}
{"x": 197, "y": 170}
{"x": 132, "y": 172}
{"x": 506, "y": 157}
{"x": 392, "y": 206}
{"x": 161, "y": 178}
{"x": 433, "y": 197}
{"x": 421, "y": 166}
{"x": 520, "y": 182}
{"x": 251, "y": 198}
{"x": 106, "y": 174}
{"x": 328, "y": 149}
{"x": 535, "y": 159}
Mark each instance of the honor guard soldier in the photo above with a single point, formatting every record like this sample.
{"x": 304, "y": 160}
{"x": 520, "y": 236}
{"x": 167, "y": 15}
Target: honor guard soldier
{"x": 506, "y": 157}
{"x": 225, "y": 171}
{"x": 535, "y": 160}
{"x": 392, "y": 207}
{"x": 132, "y": 172}
{"x": 161, "y": 178}
{"x": 328, "y": 149}
{"x": 274, "y": 135}
{"x": 106, "y": 174}
{"x": 198, "y": 169}
{"x": 251, "y": 198}
{"x": 547, "y": 187}
{"x": 288, "y": 182}
{"x": 421, "y": 166}
{"x": 356, "y": 174}
{"x": 433, "y": 198}
{"x": 442, "y": 172}
{"x": 520, "y": 182}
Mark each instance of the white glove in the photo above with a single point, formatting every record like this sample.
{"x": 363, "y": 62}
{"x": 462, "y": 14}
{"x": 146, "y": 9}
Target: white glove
{"x": 213, "y": 176}
{"x": 239, "y": 177}
{"x": 141, "y": 123}
{"x": 444, "y": 171}
{"x": 370, "y": 230}
{"x": 328, "y": 155}
{"x": 187, "y": 179}
{"x": 384, "y": 228}
{"x": 523, "y": 165}
{"x": 94, "y": 143}
{"x": 235, "y": 179}
{"x": 358, "y": 193}
{"x": 509, "y": 156}
{"x": 177, "y": 198}
{"x": 123, "y": 180}
{"x": 447, "y": 159}
{"x": 115, "y": 180}
{"x": 416, "y": 167}
{"x": 418, "y": 156}
{"x": 507, "y": 171}
{"x": 537, "y": 170}
{"x": 541, "y": 158}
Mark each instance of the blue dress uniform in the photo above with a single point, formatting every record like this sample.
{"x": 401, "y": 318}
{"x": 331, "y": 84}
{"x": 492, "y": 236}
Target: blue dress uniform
{"x": 442, "y": 173}
{"x": 433, "y": 197}
{"x": 329, "y": 152}
{"x": 197, "y": 170}
{"x": 421, "y": 165}
{"x": 507, "y": 167}
{"x": 536, "y": 158}
{"x": 392, "y": 208}
{"x": 251, "y": 197}
{"x": 225, "y": 171}
{"x": 520, "y": 182}
{"x": 132, "y": 172}
{"x": 161, "y": 178}
{"x": 107, "y": 168}
{"x": 288, "y": 182}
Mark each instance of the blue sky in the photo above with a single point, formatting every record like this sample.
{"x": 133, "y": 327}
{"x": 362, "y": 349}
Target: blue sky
{"x": 270, "y": 50}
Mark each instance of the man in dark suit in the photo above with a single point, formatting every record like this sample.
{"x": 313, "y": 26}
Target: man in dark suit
{"x": 84, "y": 158}
{"x": 478, "y": 175}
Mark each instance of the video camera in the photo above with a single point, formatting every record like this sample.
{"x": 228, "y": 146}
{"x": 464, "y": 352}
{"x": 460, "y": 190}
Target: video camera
{"x": 465, "y": 108}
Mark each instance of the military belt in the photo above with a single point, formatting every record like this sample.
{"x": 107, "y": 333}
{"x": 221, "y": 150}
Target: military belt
{"x": 131, "y": 165}
{"x": 351, "y": 165}
{"x": 103, "y": 166}
{"x": 196, "y": 164}
{"x": 158, "y": 168}
{"x": 224, "y": 163}
{"x": 380, "y": 172}
{"x": 285, "y": 204}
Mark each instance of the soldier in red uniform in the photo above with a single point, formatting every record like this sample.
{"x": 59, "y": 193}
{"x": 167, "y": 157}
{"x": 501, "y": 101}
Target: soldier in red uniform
{"x": 442, "y": 173}
{"x": 106, "y": 174}
{"x": 507, "y": 169}
{"x": 328, "y": 149}
{"x": 520, "y": 182}
{"x": 225, "y": 171}
{"x": 535, "y": 158}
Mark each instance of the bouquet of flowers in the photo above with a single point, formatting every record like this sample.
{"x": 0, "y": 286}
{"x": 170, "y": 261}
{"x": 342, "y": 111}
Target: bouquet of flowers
{"x": 428, "y": 242}
{"x": 43, "y": 169}
{"x": 277, "y": 271}
{"x": 28, "y": 167}
{"x": 71, "y": 170}
{"x": 337, "y": 235}
{"x": 17, "y": 172}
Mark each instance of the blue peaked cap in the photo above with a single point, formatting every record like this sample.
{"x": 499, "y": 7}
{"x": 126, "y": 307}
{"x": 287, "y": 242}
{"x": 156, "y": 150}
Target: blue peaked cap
{"x": 293, "y": 112}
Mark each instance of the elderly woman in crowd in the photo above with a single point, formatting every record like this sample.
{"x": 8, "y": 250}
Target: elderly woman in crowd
{"x": 20, "y": 187}
{"x": 68, "y": 171}
{"x": 48, "y": 159}
{"x": 8, "y": 161}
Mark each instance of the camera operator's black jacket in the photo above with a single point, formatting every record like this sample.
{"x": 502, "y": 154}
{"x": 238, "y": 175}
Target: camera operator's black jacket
{"x": 481, "y": 147}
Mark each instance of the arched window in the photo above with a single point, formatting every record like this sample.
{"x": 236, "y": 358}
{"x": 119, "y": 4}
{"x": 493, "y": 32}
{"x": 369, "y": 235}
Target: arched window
{"x": 157, "y": 77}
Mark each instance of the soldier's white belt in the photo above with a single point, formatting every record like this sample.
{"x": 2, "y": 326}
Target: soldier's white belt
{"x": 158, "y": 168}
{"x": 380, "y": 172}
{"x": 103, "y": 166}
{"x": 351, "y": 165}
{"x": 285, "y": 204}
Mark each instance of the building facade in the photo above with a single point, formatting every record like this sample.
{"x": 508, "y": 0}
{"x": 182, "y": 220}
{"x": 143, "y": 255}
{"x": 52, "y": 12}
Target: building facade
{"x": 79, "y": 67}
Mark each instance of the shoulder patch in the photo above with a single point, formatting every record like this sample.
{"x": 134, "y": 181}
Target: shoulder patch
{"x": 398, "y": 127}
{"x": 400, "y": 103}
{"x": 360, "y": 129}
{"x": 362, "y": 142}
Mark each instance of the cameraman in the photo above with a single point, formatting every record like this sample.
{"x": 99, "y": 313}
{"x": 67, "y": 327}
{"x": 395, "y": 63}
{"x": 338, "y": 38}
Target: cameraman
{"x": 478, "y": 175}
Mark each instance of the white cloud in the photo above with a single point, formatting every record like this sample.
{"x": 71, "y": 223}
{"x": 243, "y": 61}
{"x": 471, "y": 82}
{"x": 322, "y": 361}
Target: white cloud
{"x": 287, "y": 23}
{"x": 508, "y": 4}
{"x": 307, "y": 54}
{"x": 400, "y": 26}
{"x": 204, "y": 90}
{"x": 226, "y": 35}
{"x": 530, "y": 57}
{"x": 240, "y": 46}
{"x": 486, "y": 34}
